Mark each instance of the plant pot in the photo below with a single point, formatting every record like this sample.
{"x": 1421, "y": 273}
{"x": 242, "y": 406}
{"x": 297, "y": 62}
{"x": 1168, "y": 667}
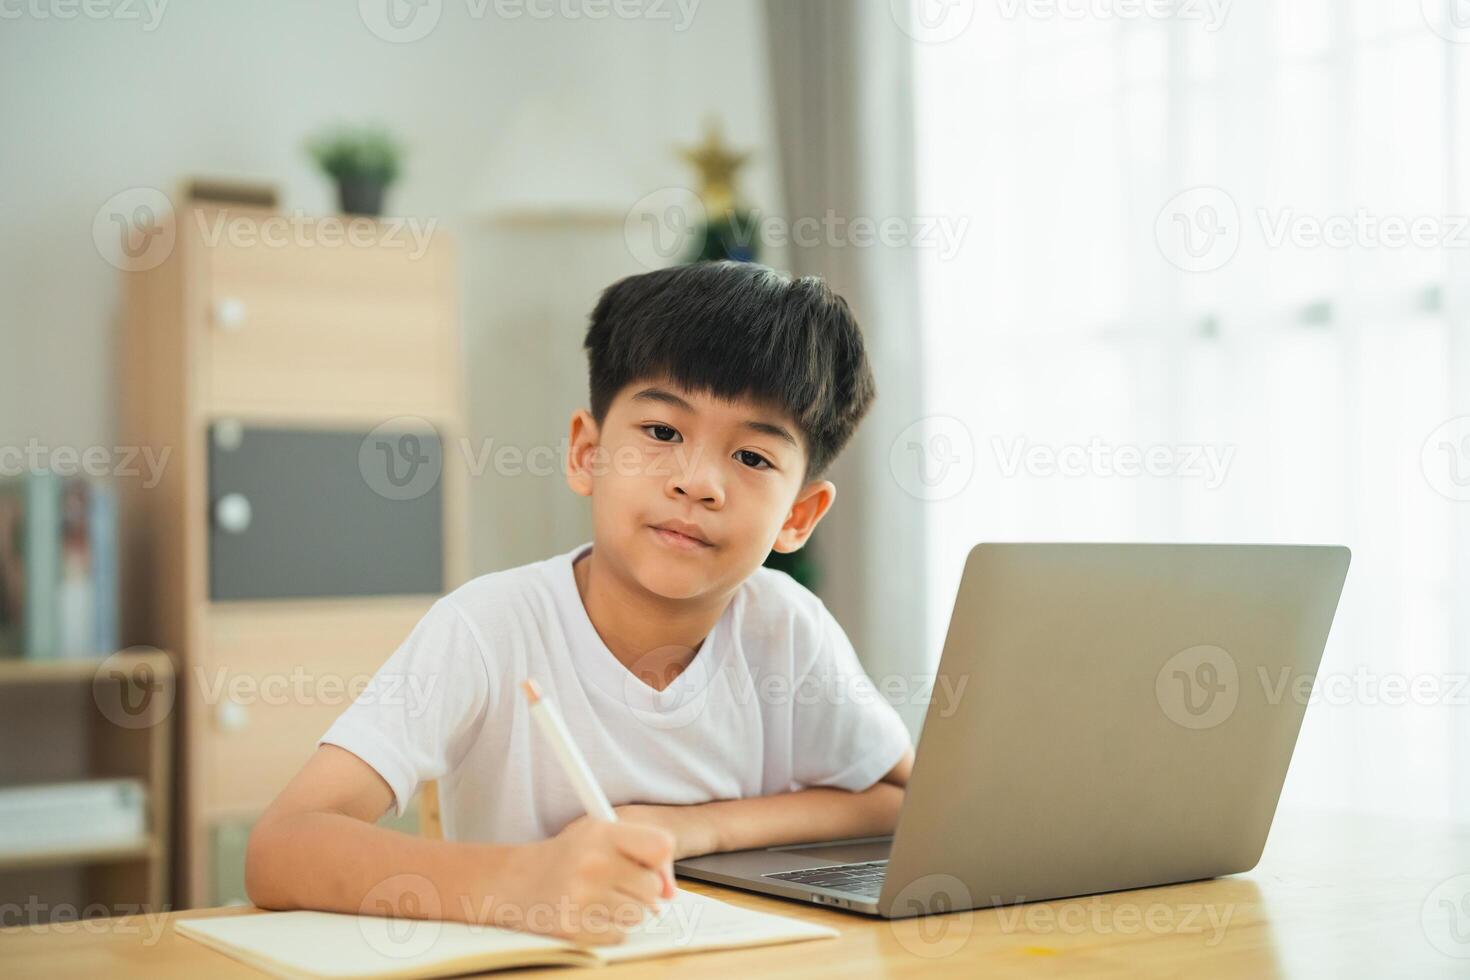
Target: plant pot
{"x": 361, "y": 195}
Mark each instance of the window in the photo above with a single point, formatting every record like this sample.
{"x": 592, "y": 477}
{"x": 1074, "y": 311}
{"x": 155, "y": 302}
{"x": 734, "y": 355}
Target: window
{"x": 1239, "y": 242}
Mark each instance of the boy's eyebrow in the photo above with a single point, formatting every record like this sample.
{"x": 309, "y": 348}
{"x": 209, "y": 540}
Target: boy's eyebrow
{"x": 669, "y": 398}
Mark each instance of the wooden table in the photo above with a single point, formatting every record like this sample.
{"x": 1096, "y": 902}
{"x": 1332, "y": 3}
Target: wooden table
{"x": 1334, "y": 896}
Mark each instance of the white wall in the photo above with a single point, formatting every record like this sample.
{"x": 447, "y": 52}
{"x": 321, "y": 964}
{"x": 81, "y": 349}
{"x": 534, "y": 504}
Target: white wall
{"x": 91, "y": 107}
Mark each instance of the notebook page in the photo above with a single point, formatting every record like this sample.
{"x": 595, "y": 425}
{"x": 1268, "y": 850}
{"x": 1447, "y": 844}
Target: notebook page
{"x": 329, "y": 944}
{"x": 691, "y": 922}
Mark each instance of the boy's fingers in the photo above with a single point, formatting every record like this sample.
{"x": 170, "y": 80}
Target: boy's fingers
{"x": 639, "y": 881}
{"x": 650, "y": 846}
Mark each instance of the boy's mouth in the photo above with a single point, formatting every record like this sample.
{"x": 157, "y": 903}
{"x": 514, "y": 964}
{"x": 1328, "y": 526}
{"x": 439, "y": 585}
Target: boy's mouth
{"x": 676, "y": 534}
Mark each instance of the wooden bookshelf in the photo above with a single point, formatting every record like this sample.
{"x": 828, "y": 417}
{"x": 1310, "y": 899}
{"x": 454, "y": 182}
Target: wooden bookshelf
{"x": 293, "y": 337}
{"x": 17, "y": 670}
{"x": 136, "y": 743}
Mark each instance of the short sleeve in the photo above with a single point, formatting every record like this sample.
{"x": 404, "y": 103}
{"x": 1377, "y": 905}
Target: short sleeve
{"x": 844, "y": 734}
{"x": 420, "y": 712}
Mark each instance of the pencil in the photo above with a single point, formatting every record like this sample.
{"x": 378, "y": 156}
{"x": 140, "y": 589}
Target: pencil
{"x": 573, "y": 763}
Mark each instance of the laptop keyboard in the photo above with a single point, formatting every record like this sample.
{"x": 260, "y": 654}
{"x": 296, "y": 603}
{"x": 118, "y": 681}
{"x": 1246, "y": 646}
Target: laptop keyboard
{"x": 864, "y": 879}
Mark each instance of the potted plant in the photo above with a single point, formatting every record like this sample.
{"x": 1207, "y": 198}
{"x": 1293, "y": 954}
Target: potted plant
{"x": 363, "y": 161}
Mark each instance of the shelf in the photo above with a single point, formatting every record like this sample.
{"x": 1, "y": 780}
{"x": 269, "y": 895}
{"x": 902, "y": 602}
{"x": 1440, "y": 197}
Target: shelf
{"x": 139, "y": 849}
{"x": 19, "y": 670}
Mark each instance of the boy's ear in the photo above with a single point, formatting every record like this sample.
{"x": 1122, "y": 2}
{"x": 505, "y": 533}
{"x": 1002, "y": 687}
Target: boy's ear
{"x": 814, "y": 500}
{"x": 582, "y": 450}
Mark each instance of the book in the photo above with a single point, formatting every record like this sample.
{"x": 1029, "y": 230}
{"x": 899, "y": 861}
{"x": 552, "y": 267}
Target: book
{"x": 12, "y": 567}
{"x": 75, "y": 597}
{"x": 332, "y": 945}
{"x": 58, "y": 567}
{"x": 42, "y": 551}
{"x": 93, "y": 813}
{"x": 102, "y": 524}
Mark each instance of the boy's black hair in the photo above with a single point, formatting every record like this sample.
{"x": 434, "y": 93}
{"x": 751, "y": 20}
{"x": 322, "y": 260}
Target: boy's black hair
{"x": 736, "y": 330}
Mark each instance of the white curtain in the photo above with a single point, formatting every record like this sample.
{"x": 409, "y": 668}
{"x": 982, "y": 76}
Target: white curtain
{"x": 1232, "y": 237}
{"x": 842, "y": 82}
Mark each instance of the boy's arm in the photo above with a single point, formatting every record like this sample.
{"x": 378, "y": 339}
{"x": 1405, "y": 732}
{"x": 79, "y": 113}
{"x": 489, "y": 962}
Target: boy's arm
{"x": 318, "y": 847}
{"x": 817, "y": 814}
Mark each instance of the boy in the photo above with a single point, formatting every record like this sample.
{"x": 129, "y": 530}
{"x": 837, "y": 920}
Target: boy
{"x": 719, "y": 704}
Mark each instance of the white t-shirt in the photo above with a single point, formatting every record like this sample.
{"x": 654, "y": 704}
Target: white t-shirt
{"x": 773, "y": 701}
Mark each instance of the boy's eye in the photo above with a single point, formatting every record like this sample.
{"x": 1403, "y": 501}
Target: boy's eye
{"x": 657, "y": 429}
{"x": 752, "y": 459}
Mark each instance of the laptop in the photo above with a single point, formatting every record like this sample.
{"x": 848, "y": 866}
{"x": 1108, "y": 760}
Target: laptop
{"x": 1127, "y": 716}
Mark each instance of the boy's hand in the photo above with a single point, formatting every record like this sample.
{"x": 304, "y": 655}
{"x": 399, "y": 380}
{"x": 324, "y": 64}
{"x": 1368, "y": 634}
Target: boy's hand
{"x": 693, "y": 832}
{"x": 588, "y": 883}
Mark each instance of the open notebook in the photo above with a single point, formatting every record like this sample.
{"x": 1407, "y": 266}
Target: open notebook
{"x": 328, "y": 944}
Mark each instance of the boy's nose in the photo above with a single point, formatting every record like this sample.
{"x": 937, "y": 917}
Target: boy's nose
{"x": 699, "y": 482}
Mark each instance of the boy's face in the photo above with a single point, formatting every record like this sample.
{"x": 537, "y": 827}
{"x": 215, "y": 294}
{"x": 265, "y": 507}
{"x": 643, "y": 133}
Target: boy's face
{"x": 724, "y": 470}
